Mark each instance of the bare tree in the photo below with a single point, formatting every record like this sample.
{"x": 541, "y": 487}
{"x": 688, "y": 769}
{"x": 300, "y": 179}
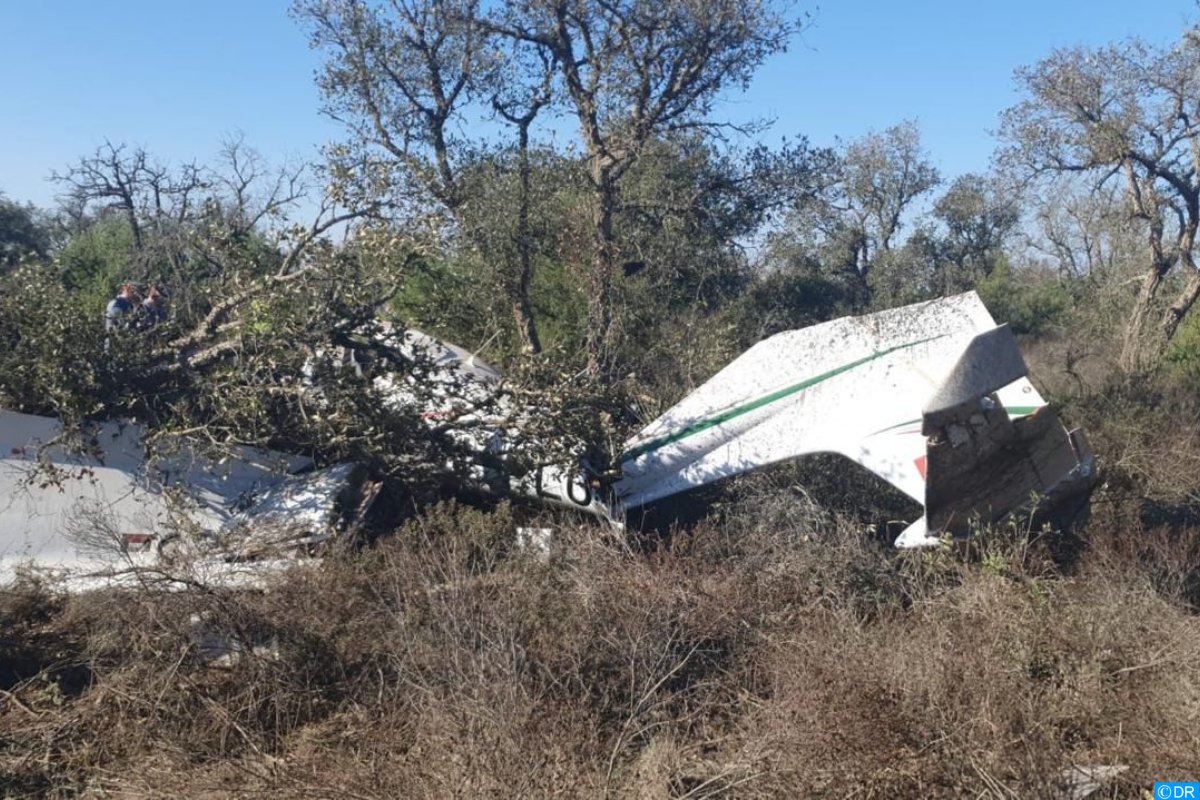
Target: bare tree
{"x": 188, "y": 223}
{"x": 408, "y": 76}
{"x": 405, "y": 76}
{"x": 398, "y": 76}
{"x": 148, "y": 194}
{"x": 878, "y": 178}
{"x": 1086, "y": 231}
{"x": 519, "y": 105}
{"x": 253, "y": 192}
{"x": 1124, "y": 113}
{"x": 977, "y": 216}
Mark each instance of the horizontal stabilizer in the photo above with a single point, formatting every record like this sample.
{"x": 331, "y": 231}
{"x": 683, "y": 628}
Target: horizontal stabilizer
{"x": 933, "y": 398}
{"x": 855, "y": 386}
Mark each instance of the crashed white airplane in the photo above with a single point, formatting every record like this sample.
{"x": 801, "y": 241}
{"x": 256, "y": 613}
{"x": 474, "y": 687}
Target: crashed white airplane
{"x": 931, "y": 397}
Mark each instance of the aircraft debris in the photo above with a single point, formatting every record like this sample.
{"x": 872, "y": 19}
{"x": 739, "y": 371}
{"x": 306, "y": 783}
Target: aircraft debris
{"x": 1084, "y": 781}
{"x": 932, "y": 397}
{"x": 110, "y": 508}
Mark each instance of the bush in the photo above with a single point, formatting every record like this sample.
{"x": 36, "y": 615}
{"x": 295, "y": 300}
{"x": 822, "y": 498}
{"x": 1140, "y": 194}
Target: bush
{"x": 1031, "y": 303}
{"x": 777, "y": 653}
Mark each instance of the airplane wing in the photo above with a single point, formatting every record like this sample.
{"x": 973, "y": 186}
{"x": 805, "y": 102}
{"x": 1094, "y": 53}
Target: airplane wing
{"x": 860, "y": 387}
{"x": 103, "y": 507}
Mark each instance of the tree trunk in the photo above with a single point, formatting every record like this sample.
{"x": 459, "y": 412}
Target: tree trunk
{"x": 1182, "y": 305}
{"x": 522, "y": 307}
{"x": 531, "y": 343}
{"x": 1186, "y": 298}
{"x": 1131, "y": 350}
{"x": 600, "y": 301}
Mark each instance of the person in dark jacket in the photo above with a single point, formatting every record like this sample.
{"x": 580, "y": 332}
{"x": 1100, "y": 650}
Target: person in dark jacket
{"x": 120, "y": 311}
{"x": 154, "y": 308}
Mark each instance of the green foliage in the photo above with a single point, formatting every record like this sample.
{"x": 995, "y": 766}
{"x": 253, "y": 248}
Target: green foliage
{"x": 467, "y": 293}
{"x": 686, "y": 278}
{"x": 52, "y": 357}
{"x": 846, "y": 223}
{"x": 560, "y": 303}
{"x": 455, "y": 298}
{"x": 795, "y": 298}
{"x": 673, "y": 328}
{"x": 411, "y": 80}
{"x": 1182, "y": 358}
{"x": 976, "y": 216}
{"x": 908, "y": 274}
{"x": 1030, "y": 302}
{"x": 96, "y": 259}
{"x": 24, "y": 233}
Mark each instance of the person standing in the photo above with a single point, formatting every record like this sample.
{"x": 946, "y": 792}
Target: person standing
{"x": 154, "y": 307}
{"x": 119, "y": 312}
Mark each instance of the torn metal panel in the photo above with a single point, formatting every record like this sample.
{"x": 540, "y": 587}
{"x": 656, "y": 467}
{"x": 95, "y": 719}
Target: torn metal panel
{"x": 1081, "y": 782}
{"x": 218, "y": 648}
{"x": 106, "y": 506}
{"x": 986, "y": 466}
{"x": 460, "y": 378}
{"x": 300, "y": 513}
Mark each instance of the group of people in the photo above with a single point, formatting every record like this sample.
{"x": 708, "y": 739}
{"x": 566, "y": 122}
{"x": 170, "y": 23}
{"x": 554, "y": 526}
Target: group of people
{"x": 130, "y": 311}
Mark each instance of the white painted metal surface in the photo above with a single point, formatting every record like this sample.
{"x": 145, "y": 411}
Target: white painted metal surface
{"x": 106, "y": 507}
{"x": 856, "y": 386}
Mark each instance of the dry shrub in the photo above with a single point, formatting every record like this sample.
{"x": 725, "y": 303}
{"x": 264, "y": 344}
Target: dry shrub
{"x": 1071, "y": 364}
{"x": 1145, "y": 427}
{"x": 780, "y": 651}
{"x": 988, "y": 688}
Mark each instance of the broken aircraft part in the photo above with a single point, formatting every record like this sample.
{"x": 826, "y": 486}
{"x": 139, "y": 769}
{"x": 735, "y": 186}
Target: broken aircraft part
{"x": 104, "y": 505}
{"x": 932, "y": 397}
{"x": 907, "y": 393}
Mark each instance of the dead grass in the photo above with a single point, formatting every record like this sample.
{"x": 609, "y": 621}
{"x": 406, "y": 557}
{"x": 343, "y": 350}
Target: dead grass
{"x": 780, "y": 654}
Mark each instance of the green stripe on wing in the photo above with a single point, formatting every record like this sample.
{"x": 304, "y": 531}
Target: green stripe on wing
{"x": 754, "y": 405}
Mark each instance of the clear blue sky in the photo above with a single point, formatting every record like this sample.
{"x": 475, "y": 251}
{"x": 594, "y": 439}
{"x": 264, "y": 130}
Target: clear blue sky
{"x": 178, "y": 76}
